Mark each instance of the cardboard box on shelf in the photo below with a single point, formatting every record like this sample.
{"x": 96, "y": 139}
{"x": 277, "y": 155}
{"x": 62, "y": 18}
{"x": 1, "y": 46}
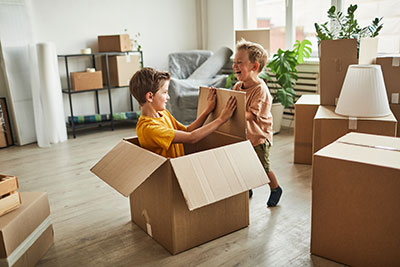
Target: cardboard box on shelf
{"x": 335, "y": 57}
{"x": 396, "y": 112}
{"x": 329, "y": 126}
{"x": 305, "y": 109}
{"x": 121, "y": 69}
{"x": 186, "y": 201}
{"x": 356, "y": 201}
{"x": 114, "y": 43}
{"x": 26, "y": 233}
{"x": 391, "y": 74}
{"x": 85, "y": 80}
{"x": 9, "y": 198}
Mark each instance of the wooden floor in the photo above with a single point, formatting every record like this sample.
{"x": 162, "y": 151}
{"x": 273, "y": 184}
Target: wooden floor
{"x": 92, "y": 221}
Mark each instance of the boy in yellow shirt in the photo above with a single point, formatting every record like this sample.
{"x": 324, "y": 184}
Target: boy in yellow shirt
{"x": 157, "y": 129}
{"x": 250, "y": 59}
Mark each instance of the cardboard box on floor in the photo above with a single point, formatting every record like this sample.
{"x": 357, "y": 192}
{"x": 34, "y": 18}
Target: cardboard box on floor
{"x": 396, "y": 112}
{"x": 391, "y": 74}
{"x": 329, "y": 126}
{"x": 186, "y": 201}
{"x": 85, "y": 80}
{"x": 26, "y": 233}
{"x": 356, "y": 201}
{"x": 305, "y": 109}
{"x": 114, "y": 43}
{"x": 121, "y": 69}
{"x": 335, "y": 57}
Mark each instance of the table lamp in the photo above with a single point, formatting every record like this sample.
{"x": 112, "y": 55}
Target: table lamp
{"x": 363, "y": 93}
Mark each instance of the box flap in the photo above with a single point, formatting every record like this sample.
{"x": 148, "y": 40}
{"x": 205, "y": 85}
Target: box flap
{"x": 368, "y": 50}
{"x": 236, "y": 126}
{"x": 127, "y": 166}
{"x": 365, "y": 148}
{"x": 308, "y": 100}
{"x": 209, "y": 176}
{"x": 328, "y": 112}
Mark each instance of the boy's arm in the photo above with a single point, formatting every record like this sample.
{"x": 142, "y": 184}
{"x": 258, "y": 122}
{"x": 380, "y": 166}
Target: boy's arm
{"x": 198, "y": 134}
{"x": 212, "y": 101}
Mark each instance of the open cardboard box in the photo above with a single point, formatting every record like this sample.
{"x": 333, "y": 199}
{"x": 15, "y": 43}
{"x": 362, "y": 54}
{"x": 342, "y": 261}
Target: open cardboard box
{"x": 186, "y": 201}
{"x": 356, "y": 201}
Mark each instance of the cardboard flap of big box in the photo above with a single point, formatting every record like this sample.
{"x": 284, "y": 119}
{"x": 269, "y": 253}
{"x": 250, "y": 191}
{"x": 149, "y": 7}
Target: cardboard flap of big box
{"x": 186, "y": 201}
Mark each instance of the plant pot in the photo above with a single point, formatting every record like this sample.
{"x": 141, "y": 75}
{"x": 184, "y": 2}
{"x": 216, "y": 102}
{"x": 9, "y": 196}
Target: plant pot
{"x": 277, "y": 114}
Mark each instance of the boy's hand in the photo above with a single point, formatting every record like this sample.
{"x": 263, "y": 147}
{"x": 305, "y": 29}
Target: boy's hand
{"x": 229, "y": 108}
{"x": 211, "y": 99}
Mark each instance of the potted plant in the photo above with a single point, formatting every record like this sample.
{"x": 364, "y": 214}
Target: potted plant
{"x": 283, "y": 66}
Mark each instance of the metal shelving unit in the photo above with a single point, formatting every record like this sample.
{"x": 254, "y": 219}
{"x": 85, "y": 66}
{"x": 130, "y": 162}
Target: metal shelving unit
{"x": 70, "y": 92}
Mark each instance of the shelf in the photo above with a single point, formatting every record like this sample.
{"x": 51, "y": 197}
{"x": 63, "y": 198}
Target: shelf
{"x": 100, "y": 54}
{"x": 65, "y": 91}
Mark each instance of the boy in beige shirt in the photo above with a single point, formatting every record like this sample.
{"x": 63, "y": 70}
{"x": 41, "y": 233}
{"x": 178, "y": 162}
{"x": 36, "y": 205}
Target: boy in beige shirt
{"x": 250, "y": 59}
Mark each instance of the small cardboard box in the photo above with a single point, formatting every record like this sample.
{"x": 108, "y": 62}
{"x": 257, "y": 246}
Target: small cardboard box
{"x": 26, "y": 233}
{"x": 114, "y": 43}
{"x": 356, "y": 201}
{"x": 335, "y": 57}
{"x": 85, "y": 80}
{"x": 186, "y": 201}
{"x": 9, "y": 198}
{"x": 121, "y": 69}
{"x": 305, "y": 109}
{"x": 391, "y": 74}
{"x": 329, "y": 126}
{"x": 396, "y": 112}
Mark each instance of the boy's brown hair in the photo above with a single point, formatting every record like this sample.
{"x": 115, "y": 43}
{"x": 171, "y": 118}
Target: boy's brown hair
{"x": 147, "y": 80}
{"x": 256, "y": 52}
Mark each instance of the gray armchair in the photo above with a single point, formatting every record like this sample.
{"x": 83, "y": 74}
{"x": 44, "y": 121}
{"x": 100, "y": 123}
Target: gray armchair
{"x": 189, "y": 70}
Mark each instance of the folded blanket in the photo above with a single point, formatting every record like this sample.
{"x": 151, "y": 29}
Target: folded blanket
{"x": 131, "y": 115}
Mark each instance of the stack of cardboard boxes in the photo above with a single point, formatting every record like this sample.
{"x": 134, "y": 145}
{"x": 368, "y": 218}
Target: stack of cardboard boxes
{"x": 121, "y": 67}
{"x": 186, "y": 201}
{"x": 26, "y": 232}
{"x": 355, "y": 177}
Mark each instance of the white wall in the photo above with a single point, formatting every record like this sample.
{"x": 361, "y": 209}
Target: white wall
{"x": 165, "y": 27}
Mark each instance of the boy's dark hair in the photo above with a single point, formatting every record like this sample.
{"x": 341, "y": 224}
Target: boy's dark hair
{"x": 147, "y": 80}
{"x": 256, "y": 52}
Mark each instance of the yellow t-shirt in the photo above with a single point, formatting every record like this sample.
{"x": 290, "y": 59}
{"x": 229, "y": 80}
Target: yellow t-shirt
{"x": 156, "y": 134}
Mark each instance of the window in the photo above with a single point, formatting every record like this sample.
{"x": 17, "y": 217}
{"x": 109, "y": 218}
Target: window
{"x": 367, "y": 10}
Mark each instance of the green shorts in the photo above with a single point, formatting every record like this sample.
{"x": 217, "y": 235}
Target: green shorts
{"x": 262, "y": 151}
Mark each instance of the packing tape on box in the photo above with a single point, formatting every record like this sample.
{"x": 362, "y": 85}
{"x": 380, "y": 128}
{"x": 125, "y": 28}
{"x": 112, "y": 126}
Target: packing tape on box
{"x": 396, "y": 62}
{"x": 26, "y": 244}
{"x": 371, "y": 146}
{"x": 86, "y": 51}
{"x": 90, "y": 69}
{"x": 395, "y": 98}
{"x": 352, "y": 123}
{"x": 147, "y": 220}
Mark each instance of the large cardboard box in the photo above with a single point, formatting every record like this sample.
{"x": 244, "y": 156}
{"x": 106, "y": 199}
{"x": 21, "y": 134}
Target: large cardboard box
{"x": 356, "y": 201}
{"x": 85, "y": 80}
{"x": 391, "y": 74}
{"x": 186, "y": 201}
{"x": 329, "y": 126}
{"x": 26, "y": 233}
{"x": 305, "y": 109}
{"x": 335, "y": 56}
{"x": 396, "y": 112}
{"x": 114, "y": 43}
{"x": 121, "y": 69}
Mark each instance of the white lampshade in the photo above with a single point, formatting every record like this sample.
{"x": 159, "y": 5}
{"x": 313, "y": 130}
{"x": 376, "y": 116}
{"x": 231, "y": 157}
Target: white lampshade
{"x": 363, "y": 93}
